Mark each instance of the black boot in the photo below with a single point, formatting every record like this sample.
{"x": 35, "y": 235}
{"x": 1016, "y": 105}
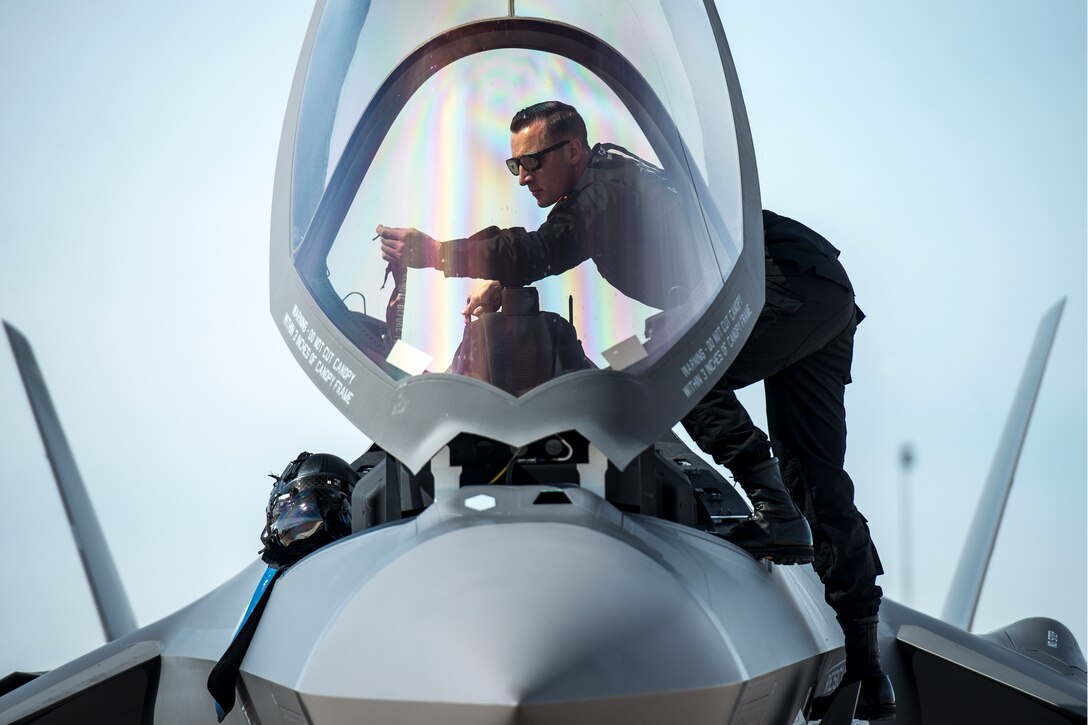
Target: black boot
{"x": 775, "y": 530}
{"x": 876, "y": 700}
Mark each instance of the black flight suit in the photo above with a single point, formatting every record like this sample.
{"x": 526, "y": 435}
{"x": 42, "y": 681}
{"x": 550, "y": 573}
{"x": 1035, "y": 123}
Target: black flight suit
{"x": 801, "y": 348}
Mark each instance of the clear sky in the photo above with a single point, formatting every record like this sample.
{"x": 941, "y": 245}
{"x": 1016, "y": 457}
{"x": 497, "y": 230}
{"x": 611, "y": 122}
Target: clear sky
{"x": 941, "y": 146}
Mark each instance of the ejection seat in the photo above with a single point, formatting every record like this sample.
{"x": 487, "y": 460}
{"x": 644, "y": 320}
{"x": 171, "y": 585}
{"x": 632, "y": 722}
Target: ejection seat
{"x": 519, "y": 347}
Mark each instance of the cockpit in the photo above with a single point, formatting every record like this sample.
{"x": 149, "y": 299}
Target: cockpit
{"x": 402, "y": 120}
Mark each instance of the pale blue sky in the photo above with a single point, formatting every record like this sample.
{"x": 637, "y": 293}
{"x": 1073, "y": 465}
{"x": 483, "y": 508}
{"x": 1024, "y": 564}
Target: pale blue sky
{"x": 941, "y": 146}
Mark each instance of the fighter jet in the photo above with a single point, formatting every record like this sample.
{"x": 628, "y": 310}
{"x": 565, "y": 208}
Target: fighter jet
{"x": 528, "y": 542}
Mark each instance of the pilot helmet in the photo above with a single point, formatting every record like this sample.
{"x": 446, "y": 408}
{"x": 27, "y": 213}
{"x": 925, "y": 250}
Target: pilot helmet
{"x": 310, "y": 506}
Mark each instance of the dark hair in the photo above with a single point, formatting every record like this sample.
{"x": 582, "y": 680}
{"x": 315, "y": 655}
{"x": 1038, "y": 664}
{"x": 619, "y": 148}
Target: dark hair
{"x": 560, "y": 120}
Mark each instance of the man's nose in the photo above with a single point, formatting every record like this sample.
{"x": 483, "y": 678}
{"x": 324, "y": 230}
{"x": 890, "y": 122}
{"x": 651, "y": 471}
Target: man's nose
{"x": 523, "y": 176}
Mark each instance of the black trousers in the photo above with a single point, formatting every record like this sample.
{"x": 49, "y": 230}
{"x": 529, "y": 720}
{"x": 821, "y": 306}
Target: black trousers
{"x": 801, "y": 348}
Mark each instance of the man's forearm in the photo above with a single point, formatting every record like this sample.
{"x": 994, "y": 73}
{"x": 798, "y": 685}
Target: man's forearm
{"x": 511, "y": 256}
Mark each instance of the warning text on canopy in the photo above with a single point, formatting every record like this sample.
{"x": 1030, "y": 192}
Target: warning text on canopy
{"x": 315, "y": 354}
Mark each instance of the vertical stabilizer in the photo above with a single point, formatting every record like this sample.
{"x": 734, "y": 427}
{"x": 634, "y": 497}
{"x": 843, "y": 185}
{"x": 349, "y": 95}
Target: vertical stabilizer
{"x": 959, "y": 608}
{"x": 109, "y": 595}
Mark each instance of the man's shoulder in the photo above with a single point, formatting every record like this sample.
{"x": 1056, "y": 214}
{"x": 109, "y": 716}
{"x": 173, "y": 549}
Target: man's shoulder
{"x": 613, "y": 157}
{"x": 603, "y": 162}
{"x": 602, "y": 174}
{"x": 615, "y": 167}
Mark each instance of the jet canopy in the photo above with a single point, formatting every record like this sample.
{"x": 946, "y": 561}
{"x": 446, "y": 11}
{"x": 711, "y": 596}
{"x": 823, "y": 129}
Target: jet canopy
{"x": 623, "y": 302}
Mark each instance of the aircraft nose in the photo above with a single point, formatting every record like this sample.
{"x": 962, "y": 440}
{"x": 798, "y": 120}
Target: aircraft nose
{"x": 524, "y": 622}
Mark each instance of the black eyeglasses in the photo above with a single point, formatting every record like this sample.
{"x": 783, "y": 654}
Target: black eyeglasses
{"x": 531, "y": 162}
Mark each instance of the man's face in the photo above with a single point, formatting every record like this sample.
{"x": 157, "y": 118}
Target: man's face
{"x": 558, "y": 172}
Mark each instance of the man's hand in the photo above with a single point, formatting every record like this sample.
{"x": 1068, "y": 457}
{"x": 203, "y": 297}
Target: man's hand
{"x": 409, "y": 247}
{"x": 485, "y": 297}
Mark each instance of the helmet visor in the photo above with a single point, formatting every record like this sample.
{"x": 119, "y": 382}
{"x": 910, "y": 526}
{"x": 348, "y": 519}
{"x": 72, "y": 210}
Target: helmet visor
{"x": 309, "y": 508}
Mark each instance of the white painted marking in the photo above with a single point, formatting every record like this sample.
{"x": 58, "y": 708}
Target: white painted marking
{"x": 480, "y": 502}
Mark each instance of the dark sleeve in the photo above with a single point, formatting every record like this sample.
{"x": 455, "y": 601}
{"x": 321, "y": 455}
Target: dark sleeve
{"x": 515, "y": 256}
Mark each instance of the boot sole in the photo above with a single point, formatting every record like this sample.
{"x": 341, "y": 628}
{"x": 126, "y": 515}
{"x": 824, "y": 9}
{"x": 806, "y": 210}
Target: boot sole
{"x": 784, "y": 555}
{"x": 871, "y": 714}
{"x": 863, "y": 710}
{"x": 875, "y": 712}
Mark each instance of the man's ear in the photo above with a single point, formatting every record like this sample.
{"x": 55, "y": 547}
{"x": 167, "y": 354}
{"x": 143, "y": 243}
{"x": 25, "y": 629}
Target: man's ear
{"x": 576, "y": 150}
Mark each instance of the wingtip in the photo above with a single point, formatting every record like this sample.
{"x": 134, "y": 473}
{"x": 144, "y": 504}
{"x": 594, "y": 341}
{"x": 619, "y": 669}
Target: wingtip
{"x": 15, "y": 335}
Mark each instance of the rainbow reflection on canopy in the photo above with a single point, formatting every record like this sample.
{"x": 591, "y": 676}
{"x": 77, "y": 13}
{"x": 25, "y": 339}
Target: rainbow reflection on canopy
{"x": 400, "y": 116}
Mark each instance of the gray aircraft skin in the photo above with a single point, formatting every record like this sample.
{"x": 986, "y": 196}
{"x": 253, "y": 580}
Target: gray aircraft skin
{"x": 545, "y": 551}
